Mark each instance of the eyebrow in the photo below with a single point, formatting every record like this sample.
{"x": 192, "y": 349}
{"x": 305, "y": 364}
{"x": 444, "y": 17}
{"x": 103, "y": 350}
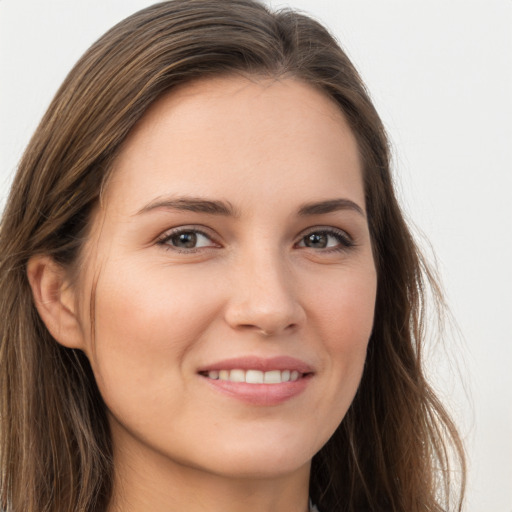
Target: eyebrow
{"x": 192, "y": 204}
{"x": 329, "y": 206}
{"x": 225, "y": 208}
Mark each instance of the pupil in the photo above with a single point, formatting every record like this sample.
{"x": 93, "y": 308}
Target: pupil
{"x": 316, "y": 240}
{"x": 186, "y": 240}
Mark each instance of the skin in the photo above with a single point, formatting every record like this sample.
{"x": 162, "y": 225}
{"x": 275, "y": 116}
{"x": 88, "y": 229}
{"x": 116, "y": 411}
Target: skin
{"x": 254, "y": 287}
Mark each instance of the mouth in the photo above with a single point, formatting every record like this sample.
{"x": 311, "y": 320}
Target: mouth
{"x": 259, "y": 381}
{"x": 254, "y": 376}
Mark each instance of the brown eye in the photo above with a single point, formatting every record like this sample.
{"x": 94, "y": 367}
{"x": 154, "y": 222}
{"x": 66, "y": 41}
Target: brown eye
{"x": 331, "y": 239}
{"x": 316, "y": 240}
{"x": 184, "y": 240}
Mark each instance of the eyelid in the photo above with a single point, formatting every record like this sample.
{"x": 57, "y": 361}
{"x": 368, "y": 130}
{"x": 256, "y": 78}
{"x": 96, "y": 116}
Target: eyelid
{"x": 200, "y": 230}
{"x": 343, "y": 236}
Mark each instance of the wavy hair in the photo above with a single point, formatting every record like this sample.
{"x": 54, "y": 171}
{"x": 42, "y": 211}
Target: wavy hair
{"x": 396, "y": 449}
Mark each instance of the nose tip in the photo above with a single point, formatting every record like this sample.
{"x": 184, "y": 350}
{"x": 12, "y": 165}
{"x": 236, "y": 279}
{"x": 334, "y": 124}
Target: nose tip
{"x": 265, "y": 303}
{"x": 264, "y": 321}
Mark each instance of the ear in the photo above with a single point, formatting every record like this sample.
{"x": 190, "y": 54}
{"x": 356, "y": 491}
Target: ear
{"x": 55, "y": 300}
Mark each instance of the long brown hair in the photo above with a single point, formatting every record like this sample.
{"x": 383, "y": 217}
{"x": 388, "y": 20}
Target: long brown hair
{"x": 396, "y": 449}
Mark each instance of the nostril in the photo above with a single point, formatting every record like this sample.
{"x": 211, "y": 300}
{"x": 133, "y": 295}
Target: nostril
{"x": 268, "y": 331}
{"x": 266, "y": 314}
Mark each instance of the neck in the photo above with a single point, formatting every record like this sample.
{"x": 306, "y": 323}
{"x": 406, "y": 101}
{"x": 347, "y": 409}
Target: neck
{"x": 163, "y": 486}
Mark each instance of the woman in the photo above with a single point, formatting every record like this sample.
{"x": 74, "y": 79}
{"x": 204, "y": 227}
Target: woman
{"x": 211, "y": 300}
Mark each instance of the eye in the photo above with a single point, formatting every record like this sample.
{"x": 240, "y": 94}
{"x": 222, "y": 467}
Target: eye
{"x": 330, "y": 239}
{"x": 186, "y": 239}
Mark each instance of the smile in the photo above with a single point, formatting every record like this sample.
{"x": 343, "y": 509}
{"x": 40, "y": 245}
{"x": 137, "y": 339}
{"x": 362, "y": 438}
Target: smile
{"x": 255, "y": 376}
{"x": 259, "y": 381}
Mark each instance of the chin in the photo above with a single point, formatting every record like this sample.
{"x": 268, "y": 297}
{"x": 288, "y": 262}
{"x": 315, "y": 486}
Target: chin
{"x": 259, "y": 459}
{"x": 257, "y": 466}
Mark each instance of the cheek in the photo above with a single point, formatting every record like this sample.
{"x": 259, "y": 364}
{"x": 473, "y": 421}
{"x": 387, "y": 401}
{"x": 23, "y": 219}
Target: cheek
{"x": 344, "y": 309}
{"x": 343, "y": 316}
{"x": 145, "y": 325}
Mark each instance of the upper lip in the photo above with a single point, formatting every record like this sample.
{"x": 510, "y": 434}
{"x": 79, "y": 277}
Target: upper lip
{"x": 259, "y": 363}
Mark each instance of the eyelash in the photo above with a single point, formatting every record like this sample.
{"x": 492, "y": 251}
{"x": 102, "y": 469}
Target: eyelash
{"x": 344, "y": 240}
{"x": 169, "y": 235}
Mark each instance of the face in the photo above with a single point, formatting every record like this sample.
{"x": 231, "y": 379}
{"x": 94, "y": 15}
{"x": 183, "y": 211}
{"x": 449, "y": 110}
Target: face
{"x": 233, "y": 280}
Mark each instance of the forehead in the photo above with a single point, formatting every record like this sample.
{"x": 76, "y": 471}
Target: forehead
{"x": 216, "y": 136}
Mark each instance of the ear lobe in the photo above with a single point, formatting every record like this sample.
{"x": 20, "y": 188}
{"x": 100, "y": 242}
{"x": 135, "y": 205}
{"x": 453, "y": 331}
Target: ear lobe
{"x": 55, "y": 300}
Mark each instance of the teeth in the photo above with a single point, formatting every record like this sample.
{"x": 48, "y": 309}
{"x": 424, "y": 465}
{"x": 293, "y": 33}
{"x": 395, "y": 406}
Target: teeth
{"x": 237, "y": 376}
{"x": 272, "y": 377}
{"x": 255, "y": 376}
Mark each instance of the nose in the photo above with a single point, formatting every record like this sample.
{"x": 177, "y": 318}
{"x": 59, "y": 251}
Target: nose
{"x": 263, "y": 296}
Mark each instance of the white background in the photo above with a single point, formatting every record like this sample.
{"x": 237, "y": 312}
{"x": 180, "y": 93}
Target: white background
{"x": 440, "y": 73}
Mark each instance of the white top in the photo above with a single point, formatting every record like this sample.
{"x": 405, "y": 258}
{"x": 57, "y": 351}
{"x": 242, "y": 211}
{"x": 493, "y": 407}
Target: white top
{"x": 312, "y": 508}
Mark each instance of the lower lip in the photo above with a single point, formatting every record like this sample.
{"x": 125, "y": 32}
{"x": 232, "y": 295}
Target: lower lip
{"x": 260, "y": 394}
